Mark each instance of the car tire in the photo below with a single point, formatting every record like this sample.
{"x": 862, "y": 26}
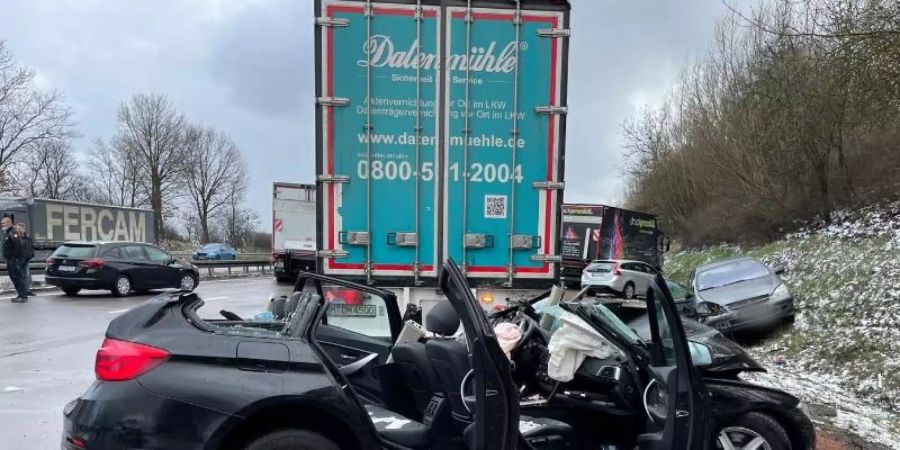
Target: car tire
{"x": 188, "y": 282}
{"x": 122, "y": 286}
{"x": 628, "y": 291}
{"x": 754, "y": 426}
{"x": 71, "y": 292}
{"x": 292, "y": 440}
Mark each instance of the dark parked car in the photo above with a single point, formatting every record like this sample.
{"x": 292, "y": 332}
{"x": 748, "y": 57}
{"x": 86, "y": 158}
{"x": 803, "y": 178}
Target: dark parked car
{"x": 121, "y": 267}
{"x": 340, "y": 370}
{"x": 215, "y": 251}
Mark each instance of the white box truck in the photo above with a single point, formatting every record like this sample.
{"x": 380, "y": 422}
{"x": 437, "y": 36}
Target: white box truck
{"x": 293, "y": 229}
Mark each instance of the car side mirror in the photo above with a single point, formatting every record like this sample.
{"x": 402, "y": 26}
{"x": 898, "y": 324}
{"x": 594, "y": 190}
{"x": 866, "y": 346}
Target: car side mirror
{"x": 780, "y": 271}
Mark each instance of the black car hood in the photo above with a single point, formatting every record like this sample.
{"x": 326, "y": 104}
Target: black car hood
{"x": 728, "y": 358}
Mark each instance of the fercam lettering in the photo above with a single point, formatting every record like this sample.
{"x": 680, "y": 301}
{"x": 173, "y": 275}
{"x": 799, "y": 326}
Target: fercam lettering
{"x": 85, "y": 223}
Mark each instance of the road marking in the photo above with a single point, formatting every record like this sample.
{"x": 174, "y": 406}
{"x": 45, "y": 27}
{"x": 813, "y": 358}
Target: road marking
{"x": 214, "y": 298}
{"x": 119, "y": 311}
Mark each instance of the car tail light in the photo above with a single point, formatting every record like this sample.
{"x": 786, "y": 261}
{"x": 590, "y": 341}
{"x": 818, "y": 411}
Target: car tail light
{"x": 122, "y": 360}
{"x": 95, "y": 263}
{"x": 616, "y": 271}
{"x": 50, "y": 261}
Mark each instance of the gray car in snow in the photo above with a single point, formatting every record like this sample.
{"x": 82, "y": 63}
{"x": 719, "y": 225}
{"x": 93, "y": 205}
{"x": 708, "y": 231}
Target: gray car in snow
{"x": 741, "y": 294}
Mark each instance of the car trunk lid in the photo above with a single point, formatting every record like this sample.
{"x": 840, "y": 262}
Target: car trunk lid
{"x": 67, "y": 260}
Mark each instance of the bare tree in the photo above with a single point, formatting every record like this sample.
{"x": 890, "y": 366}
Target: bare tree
{"x": 114, "y": 174}
{"x": 154, "y": 133}
{"x": 216, "y": 172}
{"x": 237, "y": 224}
{"x": 28, "y": 116}
{"x": 50, "y": 170}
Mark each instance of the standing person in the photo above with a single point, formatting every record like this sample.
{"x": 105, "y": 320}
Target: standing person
{"x": 13, "y": 254}
{"x": 28, "y": 250}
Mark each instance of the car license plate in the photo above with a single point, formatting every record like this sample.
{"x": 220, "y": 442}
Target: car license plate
{"x": 67, "y": 268}
{"x": 338, "y": 309}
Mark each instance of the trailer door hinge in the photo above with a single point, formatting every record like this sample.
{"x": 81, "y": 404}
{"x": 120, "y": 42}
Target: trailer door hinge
{"x": 403, "y": 239}
{"x": 333, "y": 101}
{"x": 554, "y": 32}
{"x": 474, "y": 240}
{"x": 353, "y": 238}
{"x": 524, "y": 242}
{"x": 552, "y": 110}
{"x": 549, "y": 185}
{"x": 333, "y": 178}
{"x": 334, "y": 254}
{"x": 332, "y": 22}
{"x": 546, "y": 258}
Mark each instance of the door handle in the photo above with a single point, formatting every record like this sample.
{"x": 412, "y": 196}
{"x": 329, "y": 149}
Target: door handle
{"x": 681, "y": 414}
{"x": 352, "y": 368}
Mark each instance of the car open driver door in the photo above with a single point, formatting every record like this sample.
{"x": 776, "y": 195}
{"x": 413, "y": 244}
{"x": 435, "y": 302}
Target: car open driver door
{"x": 489, "y": 388}
{"x": 674, "y": 397}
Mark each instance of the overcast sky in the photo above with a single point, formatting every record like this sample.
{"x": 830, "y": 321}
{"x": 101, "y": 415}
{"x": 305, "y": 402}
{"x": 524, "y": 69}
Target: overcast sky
{"x": 246, "y": 67}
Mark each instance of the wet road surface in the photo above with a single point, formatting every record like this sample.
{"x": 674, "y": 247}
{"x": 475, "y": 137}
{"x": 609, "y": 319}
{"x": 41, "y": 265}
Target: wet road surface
{"x": 47, "y": 349}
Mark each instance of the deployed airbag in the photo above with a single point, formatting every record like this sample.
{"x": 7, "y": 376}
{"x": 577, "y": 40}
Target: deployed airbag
{"x": 571, "y": 343}
{"x": 508, "y": 336}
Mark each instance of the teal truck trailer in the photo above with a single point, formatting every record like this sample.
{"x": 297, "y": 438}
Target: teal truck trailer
{"x": 440, "y": 135}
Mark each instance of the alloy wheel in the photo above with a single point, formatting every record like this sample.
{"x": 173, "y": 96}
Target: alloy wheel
{"x": 123, "y": 285}
{"x": 629, "y": 291}
{"x": 187, "y": 283}
{"x": 740, "y": 438}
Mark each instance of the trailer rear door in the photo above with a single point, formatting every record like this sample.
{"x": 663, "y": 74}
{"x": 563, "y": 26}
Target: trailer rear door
{"x": 379, "y": 120}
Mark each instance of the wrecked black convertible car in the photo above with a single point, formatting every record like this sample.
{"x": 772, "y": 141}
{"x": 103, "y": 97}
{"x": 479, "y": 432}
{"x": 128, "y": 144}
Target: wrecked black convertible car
{"x": 341, "y": 371}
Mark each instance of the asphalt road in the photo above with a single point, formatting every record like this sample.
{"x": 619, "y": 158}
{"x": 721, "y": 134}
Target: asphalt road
{"x": 47, "y": 349}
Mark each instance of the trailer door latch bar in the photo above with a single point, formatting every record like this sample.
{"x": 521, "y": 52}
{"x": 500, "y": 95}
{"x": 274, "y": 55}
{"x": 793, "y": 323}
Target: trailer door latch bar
{"x": 524, "y": 242}
{"x": 549, "y": 185}
{"x": 332, "y": 22}
{"x": 333, "y": 254}
{"x": 360, "y": 238}
{"x": 552, "y": 110}
{"x": 475, "y": 240}
{"x": 403, "y": 239}
{"x": 554, "y": 32}
{"x": 333, "y": 178}
{"x": 333, "y": 102}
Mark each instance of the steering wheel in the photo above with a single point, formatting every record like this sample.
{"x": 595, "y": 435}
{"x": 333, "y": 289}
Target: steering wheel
{"x": 527, "y": 326}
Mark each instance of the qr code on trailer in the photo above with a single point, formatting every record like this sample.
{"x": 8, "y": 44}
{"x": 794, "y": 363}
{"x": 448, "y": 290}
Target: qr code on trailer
{"x": 495, "y": 206}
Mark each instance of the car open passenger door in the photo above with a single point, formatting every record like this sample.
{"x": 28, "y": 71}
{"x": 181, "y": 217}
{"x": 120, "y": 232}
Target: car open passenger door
{"x": 491, "y": 392}
{"x": 674, "y": 397}
{"x": 356, "y": 330}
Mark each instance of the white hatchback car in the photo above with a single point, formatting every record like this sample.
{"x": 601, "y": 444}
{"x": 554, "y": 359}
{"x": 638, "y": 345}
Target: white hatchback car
{"x": 627, "y": 279}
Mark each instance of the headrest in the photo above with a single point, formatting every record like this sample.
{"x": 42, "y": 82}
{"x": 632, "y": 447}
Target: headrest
{"x": 442, "y": 319}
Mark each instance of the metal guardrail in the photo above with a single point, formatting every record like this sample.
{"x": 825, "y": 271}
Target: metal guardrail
{"x": 240, "y": 256}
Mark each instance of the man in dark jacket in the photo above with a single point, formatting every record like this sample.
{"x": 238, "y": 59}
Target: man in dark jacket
{"x": 13, "y": 253}
{"x": 28, "y": 249}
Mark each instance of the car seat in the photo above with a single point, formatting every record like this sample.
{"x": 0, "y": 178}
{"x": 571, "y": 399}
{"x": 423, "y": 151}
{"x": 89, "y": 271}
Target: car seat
{"x": 450, "y": 360}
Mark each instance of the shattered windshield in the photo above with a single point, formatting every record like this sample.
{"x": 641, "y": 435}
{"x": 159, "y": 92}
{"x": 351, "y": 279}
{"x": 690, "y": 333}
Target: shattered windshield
{"x": 597, "y": 312}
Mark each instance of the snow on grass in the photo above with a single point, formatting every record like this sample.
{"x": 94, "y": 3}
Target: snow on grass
{"x": 845, "y": 277}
